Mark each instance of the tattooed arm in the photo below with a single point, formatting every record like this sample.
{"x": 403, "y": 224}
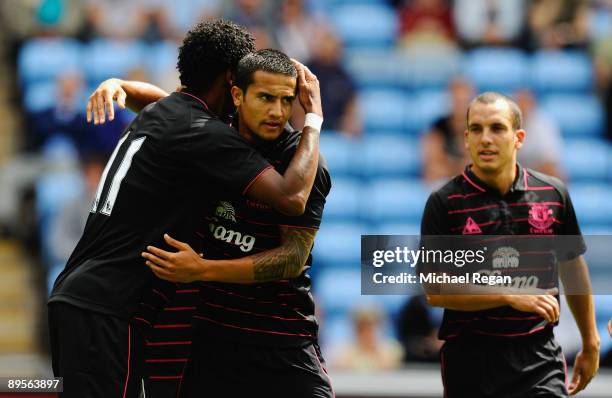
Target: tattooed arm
{"x": 283, "y": 262}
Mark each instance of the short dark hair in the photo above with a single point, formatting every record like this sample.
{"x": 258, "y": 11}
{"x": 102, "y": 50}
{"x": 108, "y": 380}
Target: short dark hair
{"x": 210, "y": 49}
{"x": 267, "y": 60}
{"x": 490, "y": 97}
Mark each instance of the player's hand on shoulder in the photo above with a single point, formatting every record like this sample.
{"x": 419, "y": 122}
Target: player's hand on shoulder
{"x": 100, "y": 102}
{"x": 309, "y": 92}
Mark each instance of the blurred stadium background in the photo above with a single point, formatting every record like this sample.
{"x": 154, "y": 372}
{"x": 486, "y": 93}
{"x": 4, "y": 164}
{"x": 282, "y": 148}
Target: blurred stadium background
{"x": 394, "y": 76}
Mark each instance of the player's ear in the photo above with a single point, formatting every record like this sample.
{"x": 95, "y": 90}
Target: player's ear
{"x": 237, "y": 95}
{"x": 520, "y": 138}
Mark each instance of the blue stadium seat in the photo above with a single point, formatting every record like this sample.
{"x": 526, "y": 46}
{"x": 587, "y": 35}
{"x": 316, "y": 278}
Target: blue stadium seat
{"x": 374, "y": 69}
{"x": 392, "y": 228}
{"x": 561, "y": 72}
{"x": 592, "y": 203}
{"x": 586, "y": 159}
{"x": 338, "y": 245}
{"x": 397, "y": 201}
{"x": 338, "y": 289}
{"x": 41, "y": 60}
{"x": 366, "y": 25}
{"x": 39, "y": 96}
{"x": 344, "y": 200}
{"x": 338, "y": 151}
{"x": 427, "y": 107}
{"x": 496, "y": 68}
{"x": 161, "y": 58}
{"x": 578, "y": 116}
{"x": 389, "y": 156}
{"x": 384, "y": 109}
{"x": 112, "y": 58}
{"x": 428, "y": 68}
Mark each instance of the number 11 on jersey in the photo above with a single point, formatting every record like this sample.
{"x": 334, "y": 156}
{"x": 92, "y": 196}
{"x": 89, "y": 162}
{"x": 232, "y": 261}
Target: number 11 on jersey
{"x": 111, "y": 191}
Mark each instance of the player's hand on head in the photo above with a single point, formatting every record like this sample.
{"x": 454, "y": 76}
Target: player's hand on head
{"x": 100, "y": 102}
{"x": 585, "y": 368}
{"x": 309, "y": 92}
{"x": 181, "y": 266}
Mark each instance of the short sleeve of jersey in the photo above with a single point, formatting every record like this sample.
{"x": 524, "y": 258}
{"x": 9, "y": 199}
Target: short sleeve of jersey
{"x": 433, "y": 223}
{"x": 219, "y": 152}
{"x": 316, "y": 201}
{"x": 573, "y": 246}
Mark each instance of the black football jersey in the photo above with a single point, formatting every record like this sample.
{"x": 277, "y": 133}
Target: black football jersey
{"x": 172, "y": 160}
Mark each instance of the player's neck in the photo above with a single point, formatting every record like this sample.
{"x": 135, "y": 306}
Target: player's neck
{"x": 501, "y": 180}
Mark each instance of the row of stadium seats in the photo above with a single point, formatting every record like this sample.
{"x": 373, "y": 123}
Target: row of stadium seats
{"x": 501, "y": 69}
{"x": 489, "y": 68}
{"x": 395, "y": 156}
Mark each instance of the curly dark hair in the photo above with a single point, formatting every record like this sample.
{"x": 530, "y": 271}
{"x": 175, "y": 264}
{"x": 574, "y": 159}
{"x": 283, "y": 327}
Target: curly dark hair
{"x": 267, "y": 60}
{"x": 210, "y": 49}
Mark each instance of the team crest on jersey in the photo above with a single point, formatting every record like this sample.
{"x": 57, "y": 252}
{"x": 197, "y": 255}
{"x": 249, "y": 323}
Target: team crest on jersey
{"x": 471, "y": 228}
{"x": 540, "y": 218}
{"x": 226, "y": 210}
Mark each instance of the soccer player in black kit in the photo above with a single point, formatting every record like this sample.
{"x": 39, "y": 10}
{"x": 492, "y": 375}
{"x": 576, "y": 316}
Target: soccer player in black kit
{"x": 175, "y": 157}
{"x": 502, "y": 345}
{"x": 256, "y": 333}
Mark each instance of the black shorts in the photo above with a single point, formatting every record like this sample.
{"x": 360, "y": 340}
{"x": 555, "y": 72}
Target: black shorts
{"x": 98, "y": 355}
{"x": 524, "y": 367}
{"x": 222, "y": 369}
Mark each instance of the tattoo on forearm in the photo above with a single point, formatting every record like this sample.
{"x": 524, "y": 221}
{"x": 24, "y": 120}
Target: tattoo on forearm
{"x": 287, "y": 260}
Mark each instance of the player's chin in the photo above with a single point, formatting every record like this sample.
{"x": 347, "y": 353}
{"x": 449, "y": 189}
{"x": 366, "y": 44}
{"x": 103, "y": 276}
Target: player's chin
{"x": 269, "y": 133}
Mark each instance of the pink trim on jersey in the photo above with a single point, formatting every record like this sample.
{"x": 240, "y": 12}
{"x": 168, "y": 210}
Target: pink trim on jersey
{"x": 160, "y": 294}
{"x": 187, "y": 291}
{"x": 143, "y": 320}
{"x": 197, "y": 99}
{"x": 532, "y": 331}
{"x": 127, "y": 377}
{"x": 528, "y": 188}
{"x": 251, "y": 329}
{"x": 484, "y": 224}
{"x": 166, "y": 360}
{"x": 473, "y": 183}
{"x": 324, "y": 371}
{"x": 165, "y": 377}
{"x": 462, "y": 196}
{"x": 172, "y": 326}
{"x": 253, "y": 313}
{"x": 256, "y": 178}
{"x": 536, "y": 203}
{"x": 179, "y": 309}
{"x": 159, "y": 343}
{"x": 472, "y": 209}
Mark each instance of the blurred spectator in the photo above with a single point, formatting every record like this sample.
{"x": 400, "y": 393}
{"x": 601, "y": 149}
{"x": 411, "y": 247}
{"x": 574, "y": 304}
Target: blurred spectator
{"x": 543, "y": 144}
{"x": 426, "y": 23}
{"x": 253, "y": 14}
{"x": 67, "y": 228}
{"x": 64, "y": 117}
{"x": 117, "y": 19}
{"x": 557, "y": 24}
{"x": 338, "y": 91}
{"x": 489, "y": 22}
{"x": 418, "y": 330}
{"x": 370, "y": 350}
{"x": 296, "y": 29}
{"x": 602, "y": 59}
{"x": 156, "y": 26}
{"x": 443, "y": 150}
{"x": 40, "y": 17}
